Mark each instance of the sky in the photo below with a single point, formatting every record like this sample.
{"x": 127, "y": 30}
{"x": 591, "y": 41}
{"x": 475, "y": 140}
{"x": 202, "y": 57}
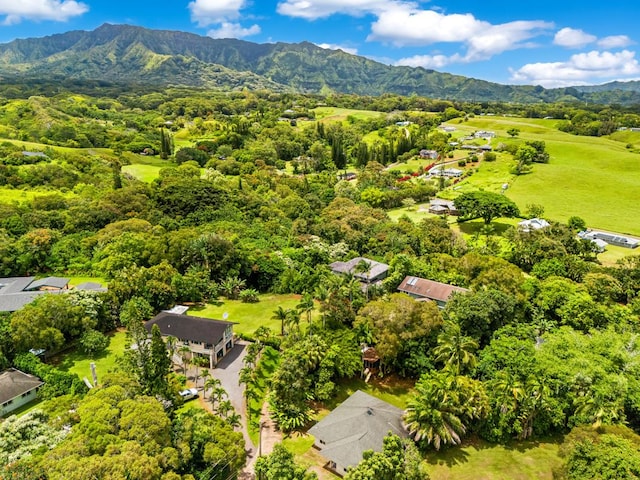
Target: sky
{"x": 534, "y": 42}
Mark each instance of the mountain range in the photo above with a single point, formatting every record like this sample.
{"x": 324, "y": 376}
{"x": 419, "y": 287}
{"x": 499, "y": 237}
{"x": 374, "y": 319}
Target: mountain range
{"x": 130, "y": 54}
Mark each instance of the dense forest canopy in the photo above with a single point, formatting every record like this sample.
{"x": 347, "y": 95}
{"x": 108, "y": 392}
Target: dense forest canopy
{"x": 253, "y": 193}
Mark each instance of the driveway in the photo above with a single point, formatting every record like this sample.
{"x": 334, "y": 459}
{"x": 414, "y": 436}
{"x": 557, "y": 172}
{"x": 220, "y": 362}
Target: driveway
{"x": 228, "y": 372}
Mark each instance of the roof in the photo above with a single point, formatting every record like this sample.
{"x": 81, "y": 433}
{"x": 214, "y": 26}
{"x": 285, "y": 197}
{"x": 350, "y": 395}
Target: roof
{"x": 16, "y": 292}
{"x": 358, "y": 424}
{"x": 52, "y": 282}
{"x": 14, "y": 383}
{"x": 533, "y": 224}
{"x": 376, "y": 268}
{"x": 186, "y": 327}
{"x": 421, "y": 287}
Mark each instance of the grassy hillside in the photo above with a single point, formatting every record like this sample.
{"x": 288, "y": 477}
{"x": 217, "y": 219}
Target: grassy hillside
{"x": 594, "y": 178}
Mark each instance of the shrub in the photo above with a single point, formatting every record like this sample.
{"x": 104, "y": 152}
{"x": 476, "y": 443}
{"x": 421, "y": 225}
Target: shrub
{"x": 249, "y": 295}
{"x": 93, "y": 341}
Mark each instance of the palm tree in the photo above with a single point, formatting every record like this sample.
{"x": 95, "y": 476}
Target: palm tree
{"x": 455, "y": 350}
{"x": 281, "y": 315}
{"x": 363, "y": 267}
{"x": 306, "y": 305}
{"x": 443, "y": 407}
{"x": 205, "y": 375}
{"x": 185, "y": 353}
{"x": 172, "y": 343}
{"x": 199, "y": 362}
{"x": 211, "y": 384}
{"x": 293, "y": 320}
{"x": 321, "y": 294}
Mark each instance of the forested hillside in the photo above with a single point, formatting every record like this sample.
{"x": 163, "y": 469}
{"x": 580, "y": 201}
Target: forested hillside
{"x": 207, "y": 198}
{"x": 125, "y": 54}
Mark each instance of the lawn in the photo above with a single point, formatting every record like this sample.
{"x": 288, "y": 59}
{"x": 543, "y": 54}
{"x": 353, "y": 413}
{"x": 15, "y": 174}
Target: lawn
{"x": 335, "y": 114}
{"x": 249, "y": 316}
{"x": 593, "y": 178}
{"x": 78, "y": 363}
{"x": 18, "y": 195}
{"x": 76, "y": 280}
{"x": 391, "y": 389}
{"x": 145, "y": 168}
{"x": 480, "y": 460}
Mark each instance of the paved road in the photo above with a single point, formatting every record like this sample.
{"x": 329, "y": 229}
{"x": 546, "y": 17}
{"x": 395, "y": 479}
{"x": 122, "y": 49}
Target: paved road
{"x": 228, "y": 372}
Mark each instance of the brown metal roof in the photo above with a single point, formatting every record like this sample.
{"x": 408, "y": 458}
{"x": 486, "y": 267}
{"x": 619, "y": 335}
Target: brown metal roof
{"x": 429, "y": 289}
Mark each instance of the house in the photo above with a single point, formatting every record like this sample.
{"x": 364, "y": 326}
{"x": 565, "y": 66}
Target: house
{"x": 438, "y": 171}
{"x": 358, "y": 424}
{"x": 439, "y": 206}
{"x": 432, "y": 154}
{"x": 16, "y": 292}
{"x": 484, "y": 134}
{"x": 17, "y": 389}
{"x": 376, "y": 271}
{"x": 448, "y": 128}
{"x": 422, "y": 289}
{"x": 204, "y": 337}
{"x": 532, "y": 224}
{"x": 599, "y": 245}
{"x": 610, "y": 238}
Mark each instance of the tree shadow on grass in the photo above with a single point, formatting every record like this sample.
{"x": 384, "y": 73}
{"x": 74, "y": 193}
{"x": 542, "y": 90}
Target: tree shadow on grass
{"x": 448, "y": 456}
{"x": 472, "y": 227}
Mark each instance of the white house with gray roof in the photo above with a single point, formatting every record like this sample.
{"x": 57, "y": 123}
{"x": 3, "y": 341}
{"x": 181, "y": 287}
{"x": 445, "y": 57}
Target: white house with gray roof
{"x": 17, "y": 389}
{"x": 358, "y": 424}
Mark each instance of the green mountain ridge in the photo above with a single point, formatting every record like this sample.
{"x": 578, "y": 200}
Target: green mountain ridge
{"x": 125, "y": 53}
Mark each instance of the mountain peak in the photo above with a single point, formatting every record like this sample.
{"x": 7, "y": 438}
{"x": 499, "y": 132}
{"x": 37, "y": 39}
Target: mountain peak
{"x": 127, "y": 53}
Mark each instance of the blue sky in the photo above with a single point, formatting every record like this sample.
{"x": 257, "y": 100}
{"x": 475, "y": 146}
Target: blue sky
{"x": 539, "y": 42}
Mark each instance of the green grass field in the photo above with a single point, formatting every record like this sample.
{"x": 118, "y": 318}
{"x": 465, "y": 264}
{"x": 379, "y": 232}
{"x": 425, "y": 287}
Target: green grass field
{"x": 250, "y": 316}
{"x": 594, "y": 178}
{"x": 335, "y": 114}
{"x": 18, "y": 195}
{"x": 145, "y": 168}
{"x": 78, "y": 363}
{"x": 480, "y": 460}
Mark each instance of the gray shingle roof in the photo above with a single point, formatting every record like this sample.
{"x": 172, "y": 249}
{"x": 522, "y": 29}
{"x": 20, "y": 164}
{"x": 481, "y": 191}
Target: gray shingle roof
{"x": 53, "y": 282}
{"x": 16, "y": 292}
{"x": 187, "y": 327}
{"x": 377, "y": 269}
{"x": 359, "y": 423}
{"x": 14, "y": 383}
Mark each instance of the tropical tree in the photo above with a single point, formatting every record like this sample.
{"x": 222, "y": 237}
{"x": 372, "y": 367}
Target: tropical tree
{"x": 455, "y": 350}
{"x": 443, "y": 408}
{"x": 307, "y": 306}
{"x": 281, "y": 315}
{"x": 231, "y": 287}
{"x": 185, "y": 356}
{"x": 485, "y": 205}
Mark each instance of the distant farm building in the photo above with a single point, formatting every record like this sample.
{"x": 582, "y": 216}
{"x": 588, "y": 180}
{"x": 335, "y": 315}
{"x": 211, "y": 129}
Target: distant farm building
{"x": 484, "y": 134}
{"x": 423, "y": 289}
{"x": 439, "y": 206}
{"x": 366, "y": 270}
{"x": 438, "y": 171}
{"x": 533, "y": 224}
{"x": 432, "y": 154}
{"x": 610, "y": 238}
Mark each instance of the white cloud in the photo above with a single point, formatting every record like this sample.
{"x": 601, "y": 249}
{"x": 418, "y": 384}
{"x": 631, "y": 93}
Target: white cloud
{"x": 582, "y": 68}
{"x": 59, "y": 10}
{"x": 615, "y": 41}
{"x": 208, "y": 12}
{"x": 233, "y": 30}
{"x": 333, "y": 46}
{"x": 573, "y": 38}
{"x": 314, "y": 9}
{"x": 403, "y": 25}
{"x": 428, "y": 61}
